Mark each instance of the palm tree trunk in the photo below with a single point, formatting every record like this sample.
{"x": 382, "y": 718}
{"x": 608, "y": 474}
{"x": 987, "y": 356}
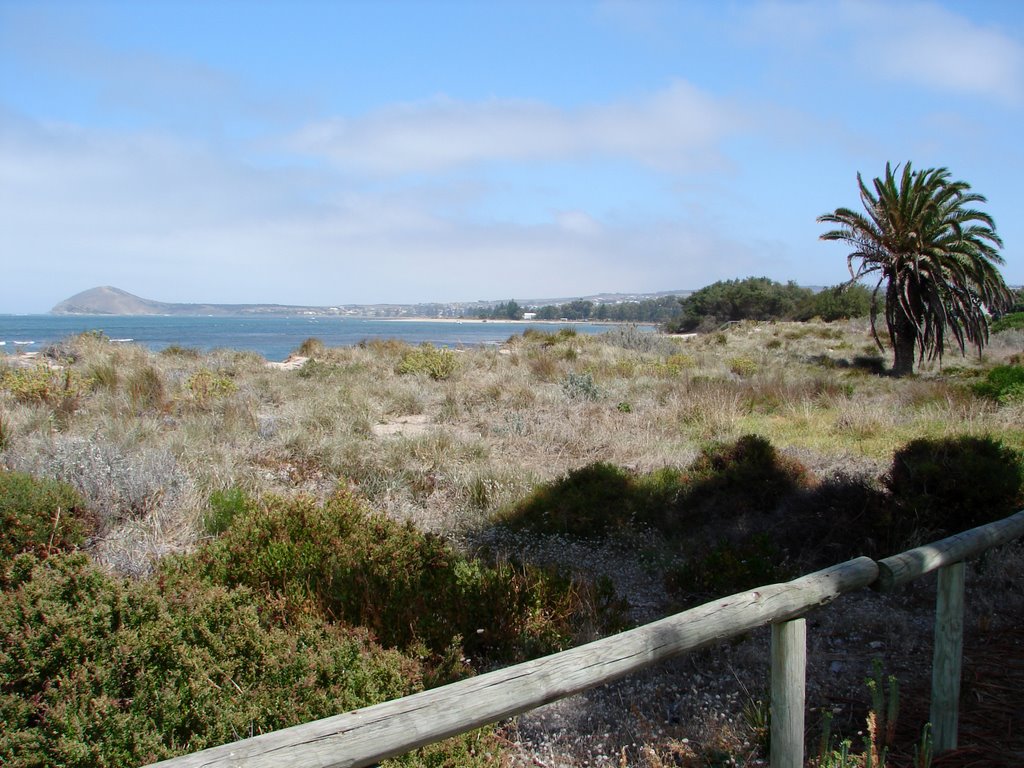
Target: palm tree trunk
{"x": 903, "y": 333}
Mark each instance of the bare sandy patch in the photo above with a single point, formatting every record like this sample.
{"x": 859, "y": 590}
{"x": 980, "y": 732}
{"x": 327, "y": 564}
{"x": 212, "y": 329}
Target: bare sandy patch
{"x": 406, "y": 426}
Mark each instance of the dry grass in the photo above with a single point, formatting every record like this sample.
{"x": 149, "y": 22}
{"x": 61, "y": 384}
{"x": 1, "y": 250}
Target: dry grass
{"x": 146, "y": 445}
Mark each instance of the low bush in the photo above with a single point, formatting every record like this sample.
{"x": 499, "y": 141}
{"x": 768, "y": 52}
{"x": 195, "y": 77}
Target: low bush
{"x": 743, "y": 367}
{"x": 59, "y": 388}
{"x": 38, "y": 516}
{"x": 96, "y": 671}
{"x": 940, "y": 487}
{"x": 178, "y": 351}
{"x": 338, "y": 561}
{"x": 1004, "y": 383}
{"x": 579, "y": 386}
{"x": 727, "y": 568}
{"x": 116, "y": 481}
{"x": 600, "y": 499}
{"x": 1012, "y": 321}
{"x": 204, "y": 386}
{"x": 745, "y": 476}
{"x": 592, "y": 501}
{"x": 436, "y": 362}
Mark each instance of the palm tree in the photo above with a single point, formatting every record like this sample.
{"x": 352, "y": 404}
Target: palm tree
{"x": 935, "y": 255}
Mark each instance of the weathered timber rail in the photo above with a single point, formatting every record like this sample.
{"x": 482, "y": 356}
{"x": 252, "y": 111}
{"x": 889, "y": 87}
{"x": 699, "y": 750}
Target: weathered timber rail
{"x": 366, "y": 736}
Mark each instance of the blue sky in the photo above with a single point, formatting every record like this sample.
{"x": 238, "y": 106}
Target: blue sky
{"x": 362, "y": 152}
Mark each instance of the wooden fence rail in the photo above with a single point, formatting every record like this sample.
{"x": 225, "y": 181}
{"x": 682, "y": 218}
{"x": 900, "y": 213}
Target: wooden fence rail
{"x": 366, "y": 736}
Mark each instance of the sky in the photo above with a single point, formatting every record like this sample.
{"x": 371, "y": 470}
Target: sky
{"x": 401, "y": 151}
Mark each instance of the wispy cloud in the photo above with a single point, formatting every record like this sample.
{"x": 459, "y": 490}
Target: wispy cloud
{"x": 677, "y": 128}
{"x": 178, "y": 220}
{"x": 918, "y": 43}
{"x": 934, "y": 47}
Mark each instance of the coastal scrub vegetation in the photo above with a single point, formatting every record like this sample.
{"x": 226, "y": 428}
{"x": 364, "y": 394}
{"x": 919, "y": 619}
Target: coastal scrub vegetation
{"x": 196, "y": 547}
{"x": 759, "y": 298}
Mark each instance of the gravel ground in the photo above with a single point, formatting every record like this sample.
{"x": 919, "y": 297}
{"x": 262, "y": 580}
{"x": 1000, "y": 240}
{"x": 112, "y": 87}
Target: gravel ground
{"x": 709, "y": 707}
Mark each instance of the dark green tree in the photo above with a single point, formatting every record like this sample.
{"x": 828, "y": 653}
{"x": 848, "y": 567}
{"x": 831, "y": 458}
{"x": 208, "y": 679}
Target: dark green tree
{"x": 754, "y": 298}
{"x": 934, "y": 255}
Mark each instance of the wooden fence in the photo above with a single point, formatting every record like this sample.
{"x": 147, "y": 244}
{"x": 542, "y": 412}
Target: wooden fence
{"x": 366, "y": 736}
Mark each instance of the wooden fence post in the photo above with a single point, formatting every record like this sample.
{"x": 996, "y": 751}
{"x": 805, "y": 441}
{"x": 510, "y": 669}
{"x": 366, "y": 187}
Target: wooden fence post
{"x": 789, "y": 672}
{"x": 947, "y": 656}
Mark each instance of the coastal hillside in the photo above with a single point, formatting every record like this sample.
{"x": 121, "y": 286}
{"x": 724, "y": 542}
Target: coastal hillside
{"x": 107, "y": 300}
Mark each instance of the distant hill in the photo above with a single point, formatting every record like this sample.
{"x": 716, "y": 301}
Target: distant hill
{"x": 107, "y": 300}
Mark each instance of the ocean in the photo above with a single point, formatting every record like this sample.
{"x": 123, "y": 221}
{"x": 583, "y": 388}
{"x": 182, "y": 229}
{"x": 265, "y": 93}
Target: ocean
{"x": 272, "y": 337}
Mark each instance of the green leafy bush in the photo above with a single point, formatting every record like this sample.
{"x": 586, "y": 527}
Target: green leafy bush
{"x": 727, "y": 568}
{"x": 591, "y": 501}
{"x": 1012, "y": 321}
{"x": 600, "y": 499}
{"x": 37, "y": 516}
{"x": 436, "y": 362}
{"x": 748, "y": 475}
{"x": 941, "y": 487}
{"x": 204, "y": 386}
{"x": 44, "y": 385}
{"x": 743, "y": 367}
{"x": 411, "y": 589}
{"x": 95, "y": 671}
{"x": 1004, "y": 383}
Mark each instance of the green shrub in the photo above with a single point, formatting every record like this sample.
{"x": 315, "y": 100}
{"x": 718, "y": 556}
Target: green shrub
{"x": 204, "y": 386}
{"x": 940, "y": 487}
{"x": 1002, "y": 383}
{"x": 224, "y": 507}
{"x": 185, "y": 353}
{"x": 411, "y": 589}
{"x": 747, "y": 476}
{"x": 600, "y": 499}
{"x": 436, "y": 362}
{"x": 743, "y": 367}
{"x": 317, "y": 369}
{"x": 43, "y": 385}
{"x": 37, "y": 516}
{"x": 727, "y": 568}
{"x": 579, "y": 386}
{"x": 1012, "y": 321}
{"x": 95, "y": 671}
{"x": 591, "y": 501}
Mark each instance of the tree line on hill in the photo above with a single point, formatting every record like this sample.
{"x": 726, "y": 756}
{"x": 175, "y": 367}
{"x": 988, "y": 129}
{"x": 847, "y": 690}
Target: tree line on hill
{"x": 754, "y": 298}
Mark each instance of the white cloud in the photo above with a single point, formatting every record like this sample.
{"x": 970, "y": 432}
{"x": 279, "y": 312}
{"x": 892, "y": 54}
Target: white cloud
{"x": 178, "y": 221}
{"x": 674, "y": 129}
{"x": 931, "y": 46}
{"x": 921, "y": 43}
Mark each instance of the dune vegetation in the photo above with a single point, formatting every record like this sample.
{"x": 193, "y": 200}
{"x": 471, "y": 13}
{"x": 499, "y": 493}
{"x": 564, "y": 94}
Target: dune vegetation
{"x": 197, "y": 547}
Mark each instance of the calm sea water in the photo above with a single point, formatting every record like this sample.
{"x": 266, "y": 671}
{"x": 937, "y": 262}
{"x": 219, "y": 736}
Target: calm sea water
{"x": 272, "y": 337}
